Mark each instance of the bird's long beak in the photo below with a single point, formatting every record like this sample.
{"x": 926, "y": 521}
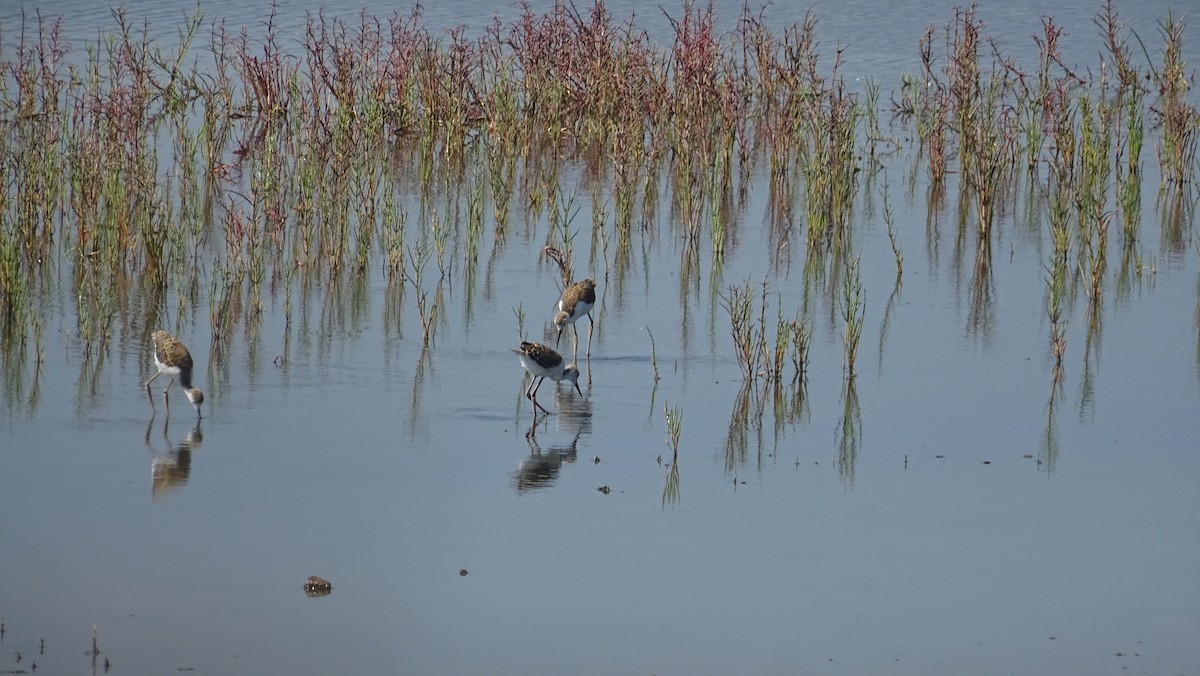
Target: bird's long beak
{"x": 558, "y": 338}
{"x": 579, "y": 390}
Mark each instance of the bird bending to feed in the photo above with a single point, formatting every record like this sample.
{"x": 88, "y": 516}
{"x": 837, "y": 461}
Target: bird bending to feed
{"x": 542, "y": 363}
{"x": 577, "y": 300}
{"x": 173, "y": 359}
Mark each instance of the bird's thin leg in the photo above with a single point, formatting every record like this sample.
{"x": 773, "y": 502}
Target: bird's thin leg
{"x": 166, "y": 400}
{"x": 534, "y": 405}
{"x": 529, "y": 395}
{"x": 149, "y": 396}
{"x": 591, "y": 324}
{"x": 534, "y": 399}
{"x": 575, "y": 355}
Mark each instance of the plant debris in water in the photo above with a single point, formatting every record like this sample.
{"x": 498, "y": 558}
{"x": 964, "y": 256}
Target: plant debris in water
{"x": 316, "y": 585}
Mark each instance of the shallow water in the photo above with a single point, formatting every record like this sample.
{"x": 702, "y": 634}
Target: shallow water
{"x": 953, "y": 514}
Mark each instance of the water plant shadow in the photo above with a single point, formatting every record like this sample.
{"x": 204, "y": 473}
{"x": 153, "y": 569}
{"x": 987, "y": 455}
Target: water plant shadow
{"x": 848, "y": 437}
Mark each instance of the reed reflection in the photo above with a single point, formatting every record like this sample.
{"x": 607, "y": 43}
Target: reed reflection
{"x": 790, "y": 405}
{"x": 1091, "y": 357}
{"x": 674, "y": 416}
{"x": 747, "y": 434}
{"x": 737, "y": 438}
{"x": 671, "y": 494}
{"x": 745, "y": 425}
{"x": 170, "y": 464}
{"x": 849, "y": 433}
{"x": 982, "y": 306}
{"x": 889, "y": 310}
{"x": 415, "y": 418}
{"x": 13, "y": 365}
{"x": 1048, "y": 455}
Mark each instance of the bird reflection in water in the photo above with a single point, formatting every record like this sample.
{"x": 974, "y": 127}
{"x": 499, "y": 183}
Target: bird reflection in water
{"x": 170, "y": 464}
{"x": 541, "y": 468}
{"x": 574, "y": 414}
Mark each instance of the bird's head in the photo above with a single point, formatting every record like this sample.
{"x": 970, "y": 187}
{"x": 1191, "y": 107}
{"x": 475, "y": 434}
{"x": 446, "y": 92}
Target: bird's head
{"x": 195, "y": 396}
{"x": 571, "y": 373}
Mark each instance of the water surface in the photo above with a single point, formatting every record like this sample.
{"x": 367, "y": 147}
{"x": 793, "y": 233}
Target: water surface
{"x": 956, "y": 512}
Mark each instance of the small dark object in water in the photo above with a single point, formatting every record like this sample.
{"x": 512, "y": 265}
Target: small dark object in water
{"x": 605, "y": 490}
{"x": 596, "y": 460}
{"x": 316, "y": 585}
{"x": 463, "y": 572}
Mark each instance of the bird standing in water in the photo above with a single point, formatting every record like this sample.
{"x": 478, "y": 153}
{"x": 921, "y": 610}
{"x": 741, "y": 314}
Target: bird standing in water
{"x": 173, "y": 359}
{"x": 577, "y": 300}
{"x": 543, "y": 362}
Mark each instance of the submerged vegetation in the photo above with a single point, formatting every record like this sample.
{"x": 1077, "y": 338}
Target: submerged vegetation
{"x": 222, "y": 167}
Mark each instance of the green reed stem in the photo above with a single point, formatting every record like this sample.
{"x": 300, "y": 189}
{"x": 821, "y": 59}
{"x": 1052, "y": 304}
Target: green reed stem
{"x": 674, "y": 416}
{"x": 653, "y": 355}
{"x": 853, "y": 312}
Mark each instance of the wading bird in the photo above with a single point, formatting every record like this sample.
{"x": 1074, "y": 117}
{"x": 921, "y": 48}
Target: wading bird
{"x": 173, "y": 359}
{"x": 543, "y": 362}
{"x": 577, "y": 301}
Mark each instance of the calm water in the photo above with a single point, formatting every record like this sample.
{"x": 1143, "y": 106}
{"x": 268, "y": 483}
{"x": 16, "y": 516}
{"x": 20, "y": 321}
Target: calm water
{"x": 972, "y": 521}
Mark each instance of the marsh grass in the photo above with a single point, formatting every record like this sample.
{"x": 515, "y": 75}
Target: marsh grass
{"x": 854, "y": 309}
{"x": 674, "y": 418}
{"x": 561, "y": 236}
{"x": 428, "y": 310}
{"x": 889, "y": 219}
{"x": 1129, "y": 174}
{"x": 1091, "y": 193}
{"x": 763, "y": 347}
{"x": 1056, "y": 281}
{"x": 739, "y": 304}
{"x": 15, "y": 285}
{"x": 1178, "y": 119}
{"x": 653, "y": 356}
{"x": 223, "y": 299}
{"x": 304, "y": 161}
{"x": 519, "y": 312}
